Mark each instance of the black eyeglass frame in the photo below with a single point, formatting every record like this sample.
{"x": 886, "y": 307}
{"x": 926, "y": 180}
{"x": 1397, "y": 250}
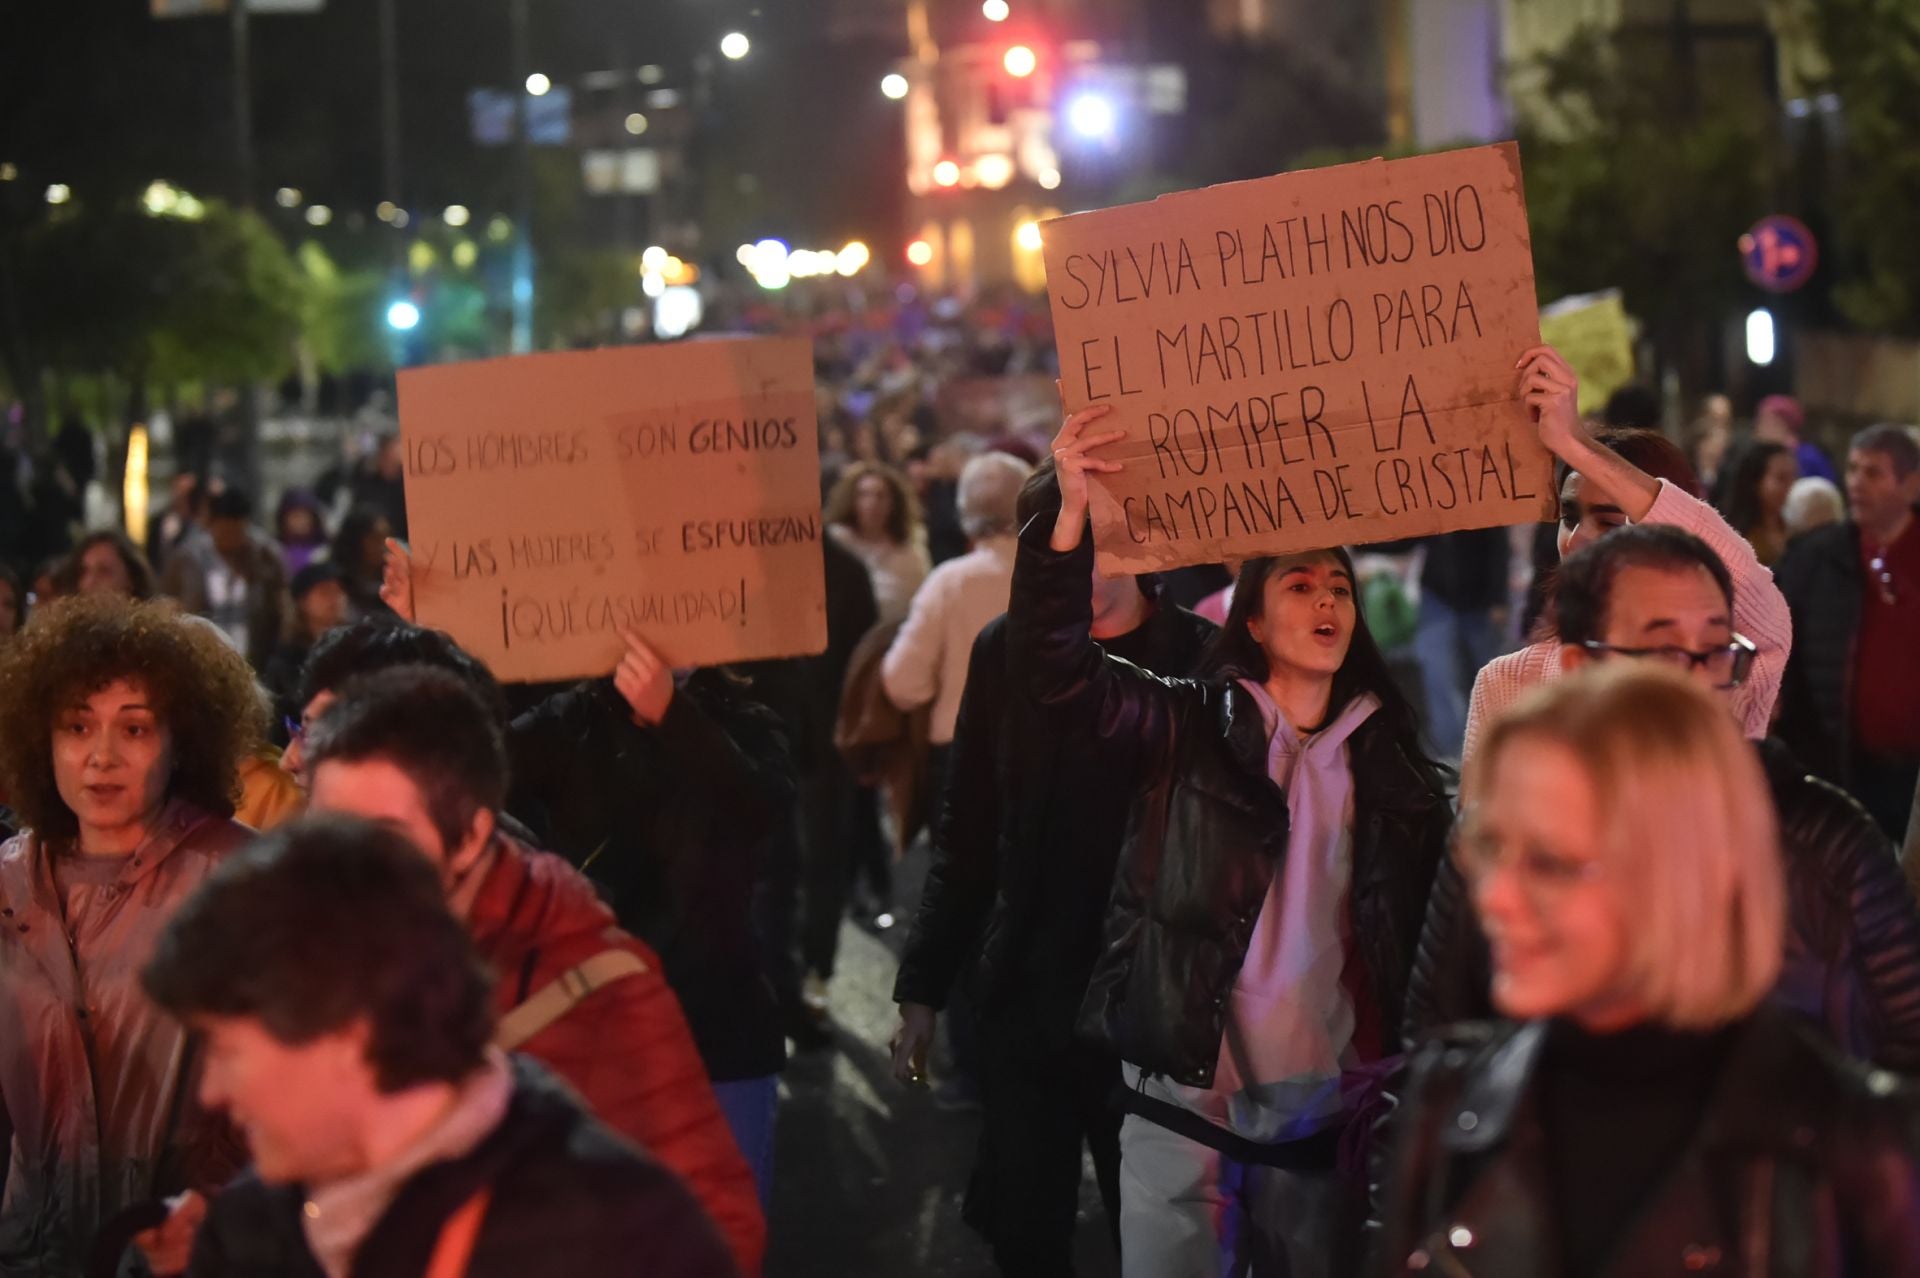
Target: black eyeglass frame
{"x": 1741, "y": 648}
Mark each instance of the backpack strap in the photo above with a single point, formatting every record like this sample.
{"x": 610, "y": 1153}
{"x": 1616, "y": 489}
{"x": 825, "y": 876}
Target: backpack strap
{"x": 564, "y": 993}
{"x": 455, "y": 1246}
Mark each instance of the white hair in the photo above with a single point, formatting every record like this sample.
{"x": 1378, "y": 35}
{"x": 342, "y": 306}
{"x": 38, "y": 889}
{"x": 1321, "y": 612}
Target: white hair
{"x": 990, "y": 493}
{"x": 1812, "y": 503}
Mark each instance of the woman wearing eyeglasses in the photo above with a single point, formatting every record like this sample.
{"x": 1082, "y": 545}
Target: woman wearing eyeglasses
{"x": 1603, "y": 490}
{"x": 1645, "y": 1111}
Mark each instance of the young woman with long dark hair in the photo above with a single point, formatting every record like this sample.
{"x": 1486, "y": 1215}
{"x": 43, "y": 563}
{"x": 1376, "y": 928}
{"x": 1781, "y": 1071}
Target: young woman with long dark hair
{"x": 1756, "y": 500}
{"x": 1285, "y": 831}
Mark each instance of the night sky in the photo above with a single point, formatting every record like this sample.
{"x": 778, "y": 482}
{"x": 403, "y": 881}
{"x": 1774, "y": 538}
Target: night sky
{"x": 100, "y": 95}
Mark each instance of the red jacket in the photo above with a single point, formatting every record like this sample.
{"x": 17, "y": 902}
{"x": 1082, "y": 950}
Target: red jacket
{"x": 625, "y": 1048}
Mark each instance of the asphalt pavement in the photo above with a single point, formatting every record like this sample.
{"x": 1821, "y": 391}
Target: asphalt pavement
{"x": 868, "y": 1174}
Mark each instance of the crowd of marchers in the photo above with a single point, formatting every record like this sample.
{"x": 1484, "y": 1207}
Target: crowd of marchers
{"x": 1344, "y": 938}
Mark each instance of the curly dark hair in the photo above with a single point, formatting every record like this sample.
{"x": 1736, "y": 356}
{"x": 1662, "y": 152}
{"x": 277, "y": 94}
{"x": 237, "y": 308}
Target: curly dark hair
{"x": 200, "y": 688}
{"x": 904, "y": 522}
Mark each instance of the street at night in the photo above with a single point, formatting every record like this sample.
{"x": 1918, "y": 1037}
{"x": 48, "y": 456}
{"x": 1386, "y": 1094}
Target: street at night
{"x": 1043, "y": 638}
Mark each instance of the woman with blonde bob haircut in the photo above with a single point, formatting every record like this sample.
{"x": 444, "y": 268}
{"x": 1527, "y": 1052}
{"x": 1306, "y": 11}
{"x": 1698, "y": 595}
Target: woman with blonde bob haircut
{"x": 1703, "y": 895}
{"x": 1620, "y": 847}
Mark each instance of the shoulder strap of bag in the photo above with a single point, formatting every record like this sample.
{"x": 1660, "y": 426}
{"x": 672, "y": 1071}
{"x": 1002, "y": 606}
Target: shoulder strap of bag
{"x": 562, "y": 994}
{"x": 455, "y": 1246}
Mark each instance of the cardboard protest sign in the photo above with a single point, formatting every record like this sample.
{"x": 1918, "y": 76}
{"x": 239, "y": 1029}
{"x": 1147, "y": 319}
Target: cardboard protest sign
{"x": 1595, "y": 335}
{"x": 1306, "y": 360}
{"x": 556, "y": 499}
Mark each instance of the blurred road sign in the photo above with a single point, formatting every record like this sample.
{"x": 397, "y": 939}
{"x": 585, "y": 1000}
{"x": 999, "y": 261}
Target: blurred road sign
{"x": 490, "y": 114}
{"x": 1780, "y": 253}
{"x": 632, "y": 172}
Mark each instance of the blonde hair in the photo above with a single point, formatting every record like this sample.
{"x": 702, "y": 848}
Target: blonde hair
{"x": 1690, "y": 843}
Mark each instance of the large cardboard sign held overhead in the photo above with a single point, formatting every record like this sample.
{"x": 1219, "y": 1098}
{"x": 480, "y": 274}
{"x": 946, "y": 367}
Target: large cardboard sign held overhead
{"x": 554, "y": 500}
{"x": 1308, "y": 360}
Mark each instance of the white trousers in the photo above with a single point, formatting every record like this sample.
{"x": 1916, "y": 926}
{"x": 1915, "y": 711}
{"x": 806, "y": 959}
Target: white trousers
{"x": 1188, "y": 1211}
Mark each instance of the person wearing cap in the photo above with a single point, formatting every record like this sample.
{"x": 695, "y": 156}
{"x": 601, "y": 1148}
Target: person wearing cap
{"x": 1779, "y": 419}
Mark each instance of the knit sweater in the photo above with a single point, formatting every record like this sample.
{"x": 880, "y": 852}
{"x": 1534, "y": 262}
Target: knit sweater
{"x": 1759, "y": 612}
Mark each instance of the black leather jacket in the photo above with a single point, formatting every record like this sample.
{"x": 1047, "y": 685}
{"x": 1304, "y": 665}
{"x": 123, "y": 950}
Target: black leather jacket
{"x": 1821, "y": 578}
{"x": 1852, "y": 963}
{"x": 1028, "y": 834}
{"x": 1802, "y": 1166}
{"x": 1208, "y": 831}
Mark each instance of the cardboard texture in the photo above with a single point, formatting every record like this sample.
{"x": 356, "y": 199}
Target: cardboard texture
{"x": 1593, "y": 332}
{"x": 554, "y": 499}
{"x": 1318, "y": 358}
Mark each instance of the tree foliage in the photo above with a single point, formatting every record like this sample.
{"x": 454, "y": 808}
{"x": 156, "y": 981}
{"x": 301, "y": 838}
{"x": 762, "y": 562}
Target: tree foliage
{"x": 1872, "y": 53}
{"x": 1633, "y": 184}
{"x": 164, "y": 300}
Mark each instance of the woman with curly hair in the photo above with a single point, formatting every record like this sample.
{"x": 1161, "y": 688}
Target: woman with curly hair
{"x": 121, "y": 727}
{"x": 872, "y": 512}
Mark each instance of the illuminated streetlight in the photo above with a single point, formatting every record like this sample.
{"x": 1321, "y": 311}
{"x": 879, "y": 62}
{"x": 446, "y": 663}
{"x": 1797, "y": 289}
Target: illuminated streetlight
{"x": 1091, "y": 116}
{"x": 457, "y": 215}
{"x": 1027, "y": 236}
{"x": 894, "y": 86}
{"x": 994, "y": 170}
{"x": 287, "y": 197}
{"x": 1020, "y": 61}
{"x": 401, "y": 217}
{"x": 636, "y": 124}
{"x": 734, "y": 46}
{"x": 59, "y": 193}
{"x": 319, "y": 215}
{"x": 995, "y": 10}
{"x": 538, "y": 84}
{"x": 465, "y": 254}
{"x": 385, "y": 210}
{"x": 499, "y": 230}
{"x": 8, "y": 172}
{"x": 1049, "y": 179}
{"x": 946, "y": 173}
{"x": 920, "y": 252}
{"x": 1760, "y": 341}
{"x": 852, "y": 259}
{"x": 403, "y": 316}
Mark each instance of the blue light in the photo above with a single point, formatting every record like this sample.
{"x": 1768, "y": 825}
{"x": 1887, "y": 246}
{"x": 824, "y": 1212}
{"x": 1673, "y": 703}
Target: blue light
{"x": 1091, "y": 115}
{"x": 403, "y": 316}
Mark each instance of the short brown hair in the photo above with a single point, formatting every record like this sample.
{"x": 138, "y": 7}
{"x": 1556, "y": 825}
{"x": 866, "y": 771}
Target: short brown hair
{"x": 139, "y": 571}
{"x": 323, "y": 922}
{"x": 201, "y": 689}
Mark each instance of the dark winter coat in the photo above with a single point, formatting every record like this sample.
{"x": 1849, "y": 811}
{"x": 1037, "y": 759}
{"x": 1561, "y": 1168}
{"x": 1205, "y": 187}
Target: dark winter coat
{"x": 672, "y": 822}
{"x": 1821, "y": 579}
{"x": 1852, "y": 962}
{"x": 1802, "y": 1166}
{"x": 567, "y": 1196}
{"x": 1028, "y": 835}
{"x": 1208, "y": 833}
